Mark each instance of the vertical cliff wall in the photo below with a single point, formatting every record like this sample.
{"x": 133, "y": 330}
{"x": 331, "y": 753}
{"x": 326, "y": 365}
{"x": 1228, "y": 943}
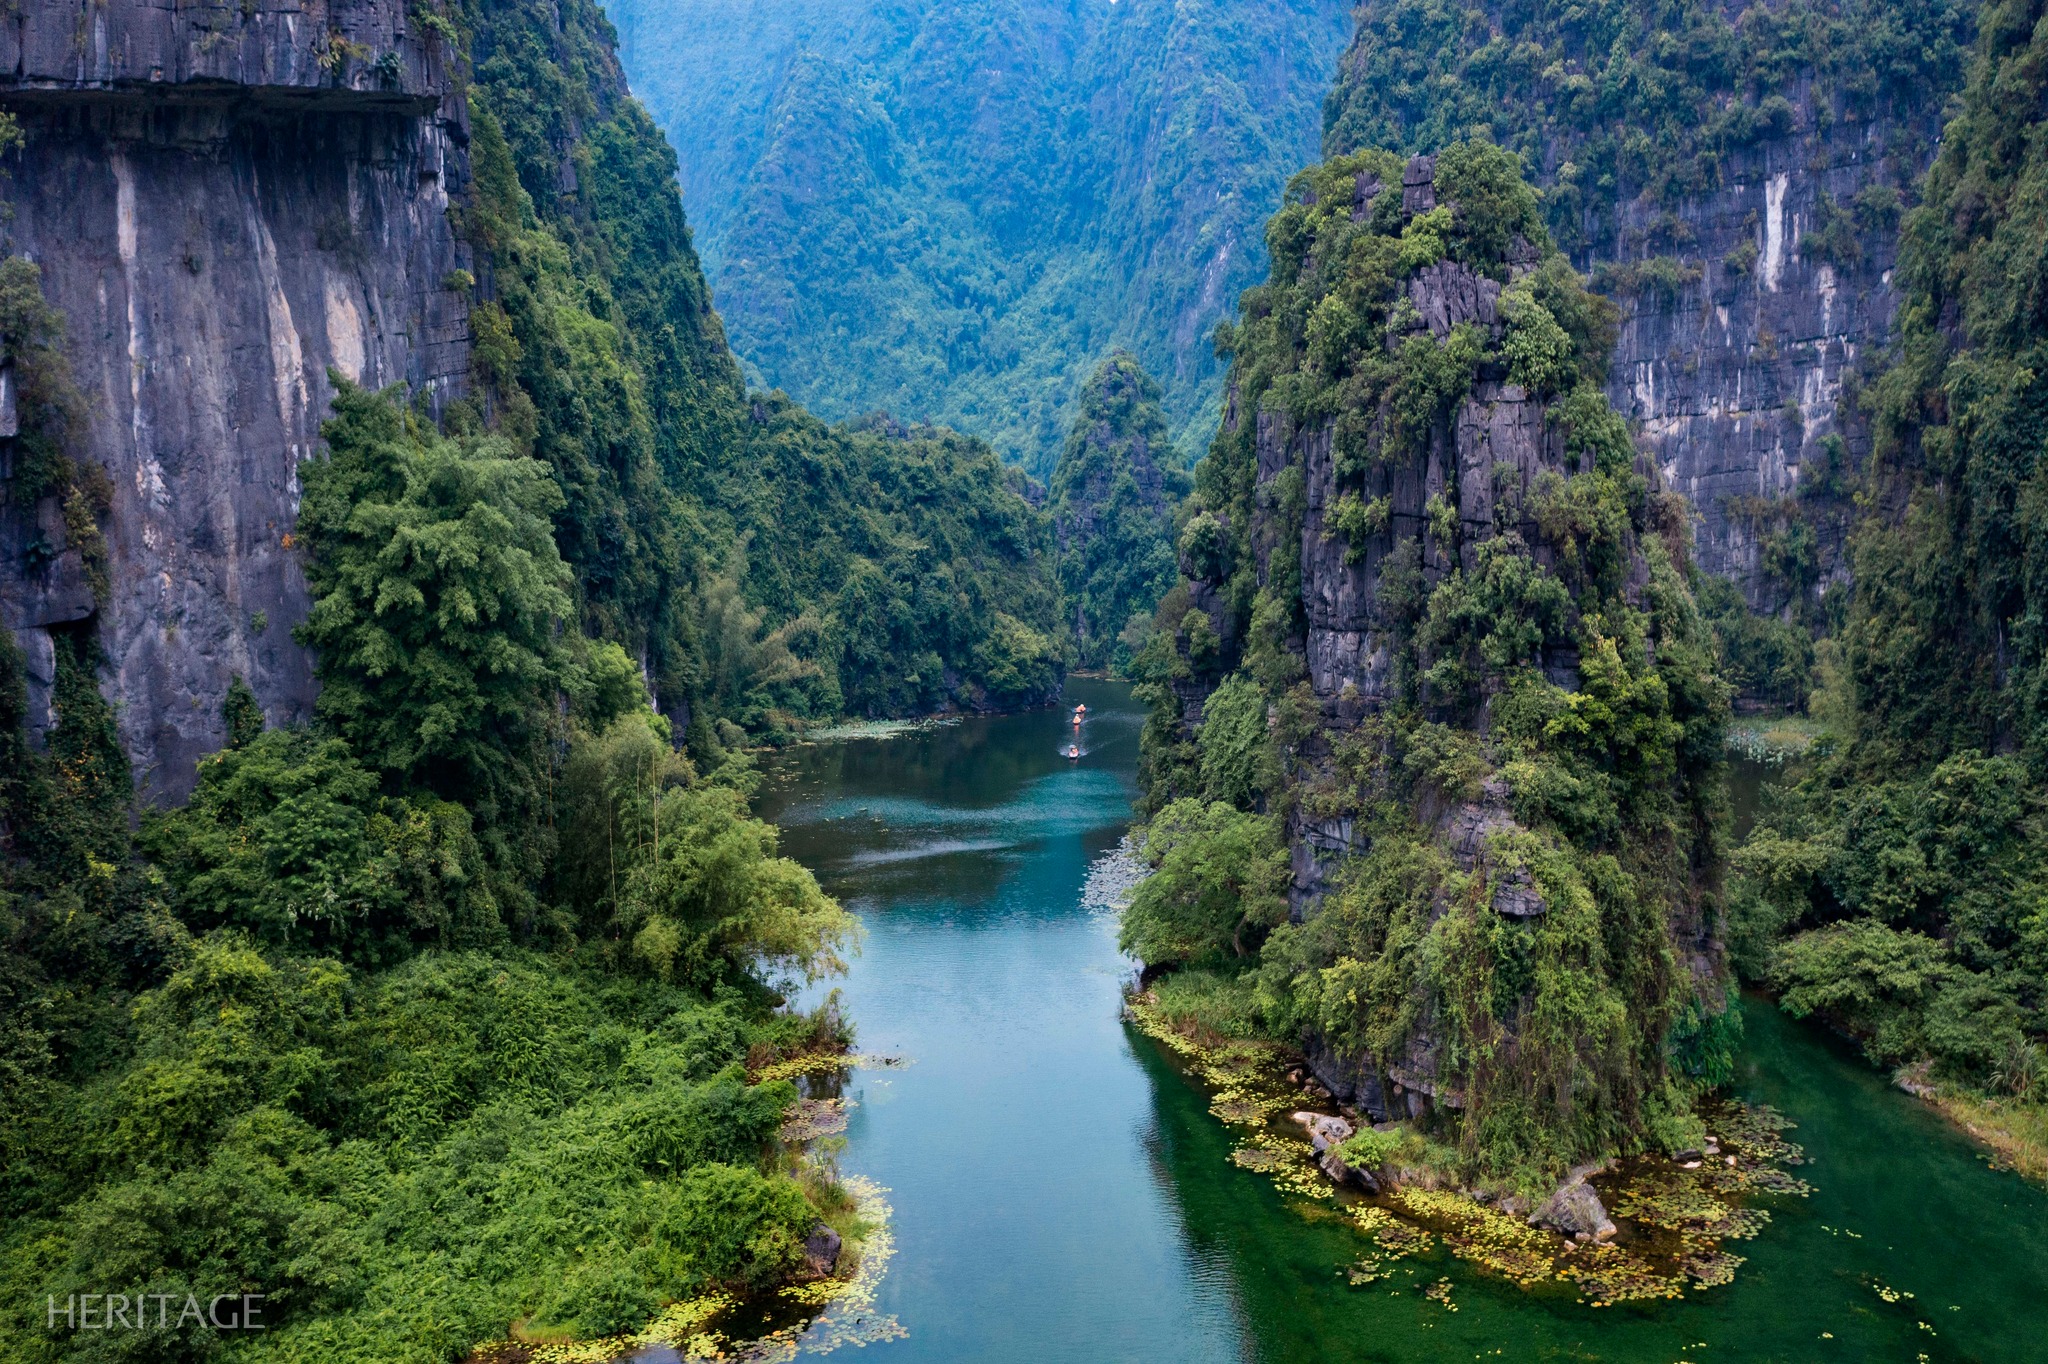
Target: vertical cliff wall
{"x": 1751, "y": 313}
{"x": 225, "y": 202}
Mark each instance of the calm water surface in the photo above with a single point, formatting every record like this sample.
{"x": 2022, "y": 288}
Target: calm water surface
{"x": 1062, "y": 1193}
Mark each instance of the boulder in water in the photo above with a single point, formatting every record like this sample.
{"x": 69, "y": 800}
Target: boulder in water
{"x": 1575, "y": 1210}
{"x": 1324, "y": 1130}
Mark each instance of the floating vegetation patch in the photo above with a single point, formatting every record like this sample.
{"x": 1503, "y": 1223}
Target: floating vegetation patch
{"x": 1773, "y": 741}
{"x": 1249, "y": 1091}
{"x": 1674, "y": 1217}
{"x": 1364, "y": 1270}
{"x": 811, "y": 1119}
{"x": 1608, "y": 1274}
{"x": 1440, "y": 1292}
{"x": 1259, "y": 1156}
{"x": 1113, "y": 879}
{"x": 821, "y": 1063}
{"x": 877, "y": 729}
{"x": 1483, "y": 1235}
{"x": 1690, "y": 1210}
{"x": 1396, "y": 1239}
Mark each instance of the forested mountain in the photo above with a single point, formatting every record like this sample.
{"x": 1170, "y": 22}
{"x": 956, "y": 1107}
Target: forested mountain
{"x": 1732, "y": 176}
{"x": 1114, "y": 493}
{"x": 1342, "y": 752}
{"x": 1901, "y": 887}
{"x": 955, "y": 210}
{"x": 877, "y": 569}
{"x": 1433, "y": 756}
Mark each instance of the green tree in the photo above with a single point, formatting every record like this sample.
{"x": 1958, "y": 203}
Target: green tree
{"x": 438, "y": 598}
{"x": 1219, "y": 884}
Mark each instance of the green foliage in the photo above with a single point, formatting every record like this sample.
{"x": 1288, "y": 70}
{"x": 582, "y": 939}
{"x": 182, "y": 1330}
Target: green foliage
{"x": 241, "y": 714}
{"x": 1210, "y": 1003}
{"x": 50, "y": 411}
{"x": 405, "y": 1163}
{"x": 432, "y": 1018}
{"x": 1833, "y": 236}
{"x": 1113, "y": 495}
{"x": 927, "y": 575}
{"x": 673, "y": 877}
{"x": 1767, "y": 658}
{"x": 1633, "y": 102}
{"x": 1219, "y": 883}
{"x": 290, "y": 839}
{"x": 437, "y": 599}
{"x": 1237, "y": 759}
{"x": 1368, "y": 1149}
{"x": 760, "y": 566}
{"x": 956, "y": 210}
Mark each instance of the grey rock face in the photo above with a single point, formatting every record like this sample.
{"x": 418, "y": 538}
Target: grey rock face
{"x": 1354, "y": 1081}
{"x": 1735, "y": 378}
{"x": 301, "y": 52}
{"x": 1480, "y": 467}
{"x": 221, "y": 219}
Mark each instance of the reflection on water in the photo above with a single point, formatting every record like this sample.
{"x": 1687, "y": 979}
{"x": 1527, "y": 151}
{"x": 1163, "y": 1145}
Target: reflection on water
{"x": 1062, "y": 1193}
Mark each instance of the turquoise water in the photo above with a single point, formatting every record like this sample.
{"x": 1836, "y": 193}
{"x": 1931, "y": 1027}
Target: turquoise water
{"x": 1061, "y": 1191}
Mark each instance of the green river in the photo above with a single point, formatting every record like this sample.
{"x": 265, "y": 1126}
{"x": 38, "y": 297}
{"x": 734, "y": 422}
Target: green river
{"x": 1061, "y": 1191}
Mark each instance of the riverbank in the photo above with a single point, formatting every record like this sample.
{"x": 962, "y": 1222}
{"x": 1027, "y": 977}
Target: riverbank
{"x": 828, "y": 1299}
{"x": 2013, "y": 1131}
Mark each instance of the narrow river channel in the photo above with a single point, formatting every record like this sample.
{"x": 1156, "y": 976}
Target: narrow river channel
{"x": 1061, "y": 1192}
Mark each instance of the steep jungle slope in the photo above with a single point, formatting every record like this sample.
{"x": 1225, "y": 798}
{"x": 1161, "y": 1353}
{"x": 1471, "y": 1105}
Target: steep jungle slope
{"x": 424, "y": 1024}
{"x": 674, "y": 479}
{"x": 1901, "y": 887}
{"x": 1113, "y": 497}
{"x": 1732, "y": 175}
{"x": 954, "y": 211}
{"x": 1432, "y": 768}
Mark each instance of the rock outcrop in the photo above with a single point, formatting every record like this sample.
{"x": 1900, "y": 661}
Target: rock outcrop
{"x": 225, "y": 202}
{"x": 1394, "y": 525}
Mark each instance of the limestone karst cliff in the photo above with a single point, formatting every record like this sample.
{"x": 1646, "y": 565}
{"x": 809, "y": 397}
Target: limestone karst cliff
{"x": 1437, "y": 655}
{"x": 225, "y": 202}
